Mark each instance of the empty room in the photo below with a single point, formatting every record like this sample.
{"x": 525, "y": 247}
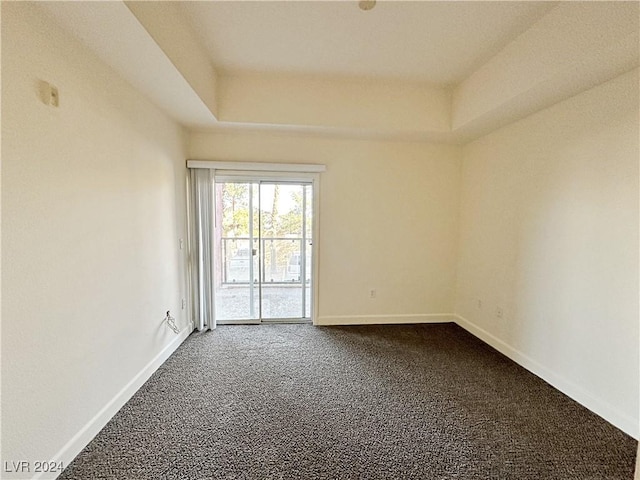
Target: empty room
{"x": 320, "y": 240}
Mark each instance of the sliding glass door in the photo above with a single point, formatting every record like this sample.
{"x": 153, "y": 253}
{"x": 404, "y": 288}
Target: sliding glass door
{"x": 263, "y": 247}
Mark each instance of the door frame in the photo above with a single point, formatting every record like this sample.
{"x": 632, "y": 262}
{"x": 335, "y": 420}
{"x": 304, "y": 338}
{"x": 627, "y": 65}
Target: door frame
{"x": 273, "y": 172}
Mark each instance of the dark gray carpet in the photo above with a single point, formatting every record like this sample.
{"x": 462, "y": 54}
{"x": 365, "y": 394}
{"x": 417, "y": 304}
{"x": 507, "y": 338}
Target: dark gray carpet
{"x": 370, "y": 402}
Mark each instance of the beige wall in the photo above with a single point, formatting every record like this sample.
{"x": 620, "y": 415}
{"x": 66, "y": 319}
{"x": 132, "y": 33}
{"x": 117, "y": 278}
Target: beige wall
{"x": 388, "y": 220}
{"x": 549, "y": 233}
{"x": 92, "y": 209}
{"x": 387, "y": 106}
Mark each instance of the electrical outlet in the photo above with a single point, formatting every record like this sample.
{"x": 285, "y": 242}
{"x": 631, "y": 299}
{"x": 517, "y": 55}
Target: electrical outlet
{"x": 479, "y": 303}
{"x": 499, "y": 312}
{"x": 183, "y": 303}
{"x": 372, "y": 293}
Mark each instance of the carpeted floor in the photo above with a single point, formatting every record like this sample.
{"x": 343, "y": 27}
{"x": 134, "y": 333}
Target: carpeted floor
{"x": 363, "y": 402}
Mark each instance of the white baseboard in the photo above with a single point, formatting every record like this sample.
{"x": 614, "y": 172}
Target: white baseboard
{"x": 81, "y": 439}
{"x": 598, "y": 406}
{"x": 327, "y": 320}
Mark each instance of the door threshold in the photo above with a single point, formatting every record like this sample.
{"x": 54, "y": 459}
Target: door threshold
{"x": 287, "y": 320}
{"x": 265, "y": 321}
{"x": 238, "y": 322}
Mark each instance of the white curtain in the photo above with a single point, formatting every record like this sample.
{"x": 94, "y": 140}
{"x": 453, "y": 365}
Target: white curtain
{"x": 201, "y": 247}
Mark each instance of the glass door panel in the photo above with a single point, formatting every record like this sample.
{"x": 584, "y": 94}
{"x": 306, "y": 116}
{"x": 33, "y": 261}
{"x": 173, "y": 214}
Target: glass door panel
{"x": 264, "y": 250}
{"x": 236, "y": 253}
{"x": 282, "y": 230}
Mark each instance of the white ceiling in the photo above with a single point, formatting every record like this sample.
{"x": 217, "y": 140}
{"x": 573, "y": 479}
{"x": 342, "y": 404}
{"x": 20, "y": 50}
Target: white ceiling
{"x": 436, "y": 42}
{"x": 499, "y": 61}
{"x": 109, "y": 29}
